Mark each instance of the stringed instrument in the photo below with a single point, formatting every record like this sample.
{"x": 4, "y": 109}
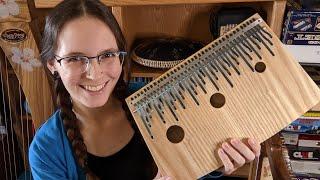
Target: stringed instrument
{"x": 243, "y": 84}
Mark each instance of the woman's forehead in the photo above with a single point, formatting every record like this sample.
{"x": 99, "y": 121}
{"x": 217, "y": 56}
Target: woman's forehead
{"x": 87, "y": 35}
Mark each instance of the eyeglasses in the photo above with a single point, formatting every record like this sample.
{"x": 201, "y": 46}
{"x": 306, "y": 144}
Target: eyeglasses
{"x": 79, "y": 64}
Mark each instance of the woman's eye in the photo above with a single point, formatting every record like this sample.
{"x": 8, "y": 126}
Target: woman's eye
{"x": 107, "y": 55}
{"x": 74, "y": 59}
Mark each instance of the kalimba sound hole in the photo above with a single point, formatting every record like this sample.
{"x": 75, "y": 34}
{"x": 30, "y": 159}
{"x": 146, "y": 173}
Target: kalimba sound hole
{"x": 175, "y": 134}
{"x": 260, "y": 67}
{"x": 217, "y": 100}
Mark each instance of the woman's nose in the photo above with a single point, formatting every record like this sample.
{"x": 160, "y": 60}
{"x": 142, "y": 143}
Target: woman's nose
{"x": 94, "y": 70}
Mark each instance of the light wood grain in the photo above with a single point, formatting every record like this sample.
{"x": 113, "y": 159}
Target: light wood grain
{"x": 52, "y": 3}
{"x": 35, "y": 83}
{"x": 259, "y": 105}
{"x": 24, "y": 14}
{"x": 275, "y": 13}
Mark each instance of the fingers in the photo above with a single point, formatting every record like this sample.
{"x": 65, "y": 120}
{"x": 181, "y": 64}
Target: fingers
{"x": 243, "y": 149}
{"x": 255, "y": 146}
{"x": 159, "y": 176}
{"x": 235, "y": 155}
{"x": 163, "y": 178}
{"x": 228, "y": 165}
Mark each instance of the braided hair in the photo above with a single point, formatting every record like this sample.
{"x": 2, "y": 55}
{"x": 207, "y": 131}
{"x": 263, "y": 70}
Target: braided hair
{"x": 64, "y": 12}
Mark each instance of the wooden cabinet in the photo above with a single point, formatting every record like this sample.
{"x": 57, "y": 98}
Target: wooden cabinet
{"x": 141, "y": 19}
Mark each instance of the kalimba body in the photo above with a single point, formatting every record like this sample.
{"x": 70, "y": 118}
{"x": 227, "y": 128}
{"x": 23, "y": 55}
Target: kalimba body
{"x": 243, "y": 84}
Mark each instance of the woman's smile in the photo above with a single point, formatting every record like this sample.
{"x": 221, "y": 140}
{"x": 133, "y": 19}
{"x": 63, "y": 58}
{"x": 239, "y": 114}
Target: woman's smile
{"x": 95, "y": 89}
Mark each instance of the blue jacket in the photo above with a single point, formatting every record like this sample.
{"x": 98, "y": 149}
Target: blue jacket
{"x": 51, "y": 156}
{"x": 50, "y": 153}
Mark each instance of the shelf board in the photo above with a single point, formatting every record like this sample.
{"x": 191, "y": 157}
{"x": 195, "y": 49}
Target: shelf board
{"x": 52, "y": 3}
{"x": 138, "y": 70}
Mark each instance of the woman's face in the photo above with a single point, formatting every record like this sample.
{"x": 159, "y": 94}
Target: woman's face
{"x": 89, "y": 37}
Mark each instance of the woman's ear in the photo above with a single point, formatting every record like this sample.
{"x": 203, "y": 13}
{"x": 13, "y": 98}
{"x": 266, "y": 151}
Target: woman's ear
{"x": 51, "y": 66}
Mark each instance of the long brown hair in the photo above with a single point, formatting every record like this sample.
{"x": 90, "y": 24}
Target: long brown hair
{"x": 64, "y": 12}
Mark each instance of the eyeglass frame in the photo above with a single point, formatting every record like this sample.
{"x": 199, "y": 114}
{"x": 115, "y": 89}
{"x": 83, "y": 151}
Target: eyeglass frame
{"x": 117, "y": 54}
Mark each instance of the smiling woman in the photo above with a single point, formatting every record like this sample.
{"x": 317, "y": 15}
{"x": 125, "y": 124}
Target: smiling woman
{"x": 92, "y": 135}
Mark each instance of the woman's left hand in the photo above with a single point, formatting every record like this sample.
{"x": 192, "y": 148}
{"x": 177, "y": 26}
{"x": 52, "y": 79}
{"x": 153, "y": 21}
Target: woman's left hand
{"x": 235, "y": 154}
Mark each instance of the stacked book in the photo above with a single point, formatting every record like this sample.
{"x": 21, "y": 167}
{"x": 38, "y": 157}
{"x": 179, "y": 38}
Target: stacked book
{"x": 301, "y": 140}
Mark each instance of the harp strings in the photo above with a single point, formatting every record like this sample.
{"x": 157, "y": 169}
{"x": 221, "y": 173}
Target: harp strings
{"x": 4, "y": 125}
{"x": 14, "y": 124}
{"x": 4, "y": 110}
{"x": 11, "y": 122}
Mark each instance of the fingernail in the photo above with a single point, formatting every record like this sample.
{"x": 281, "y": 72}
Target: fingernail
{"x": 235, "y": 141}
{"x": 220, "y": 151}
{"x": 252, "y": 141}
{"x": 225, "y": 145}
{"x": 168, "y": 178}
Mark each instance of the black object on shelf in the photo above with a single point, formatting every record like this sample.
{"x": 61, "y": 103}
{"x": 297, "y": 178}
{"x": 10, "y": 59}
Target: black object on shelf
{"x": 226, "y": 18}
{"x": 164, "y": 52}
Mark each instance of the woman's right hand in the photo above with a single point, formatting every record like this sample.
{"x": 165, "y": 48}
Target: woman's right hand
{"x": 160, "y": 176}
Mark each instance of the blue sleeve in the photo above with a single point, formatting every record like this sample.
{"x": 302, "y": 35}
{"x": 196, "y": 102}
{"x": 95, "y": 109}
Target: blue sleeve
{"x": 212, "y": 175}
{"x": 45, "y": 158}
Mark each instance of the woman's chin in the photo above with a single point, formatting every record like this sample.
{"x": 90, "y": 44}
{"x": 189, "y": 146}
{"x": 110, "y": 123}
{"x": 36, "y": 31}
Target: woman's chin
{"x": 94, "y": 104}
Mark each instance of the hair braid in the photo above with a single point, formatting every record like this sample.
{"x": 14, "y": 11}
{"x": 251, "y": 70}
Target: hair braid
{"x": 71, "y": 126}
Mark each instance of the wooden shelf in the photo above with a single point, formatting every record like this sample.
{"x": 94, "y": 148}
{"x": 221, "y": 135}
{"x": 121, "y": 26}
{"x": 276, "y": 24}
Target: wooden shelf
{"x": 138, "y": 70}
{"x": 52, "y": 3}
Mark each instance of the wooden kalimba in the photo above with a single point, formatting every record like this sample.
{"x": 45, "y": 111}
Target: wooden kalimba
{"x": 243, "y": 84}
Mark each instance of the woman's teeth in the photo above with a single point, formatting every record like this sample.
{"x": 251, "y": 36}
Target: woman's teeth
{"x": 94, "y": 88}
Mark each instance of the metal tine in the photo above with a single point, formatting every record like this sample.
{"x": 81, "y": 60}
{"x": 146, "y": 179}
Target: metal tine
{"x": 200, "y": 83}
{"x": 179, "y": 98}
{"x": 224, "y": 60}
{"x": 200, "y": 77}
{"x": 212, "y": 71}
{"x": 259, "y": 29}
{"x": 172, "y": 95}
{"x": 160, "y": 112}
{"x": 199, "y": 73}
{"x": 169, "y": 106}
{"x": 146, "y": 125}
{"x": 219, "y": 53}
{"x": 238, "y": 43}
{"x": 182, "y": 87}
{"x": 224, "y": 75}
{"x": 230, "y": 55}
{"x": 250, "y": 37}
{"x": 265, "y": 45}
{"x": 244, "y": 51}
{"x": 146, "y": 115}
{"x": 160, "y": 104}
{"x": 191, "y": 93}
{"x": 178, "y": 89}
{"x": 193, "y": 81}
{"x": 244, "y": 43}
{"x": 244, "y": 59}
{"x": 170, "y": 99}
{"x": 266, "y": 32}
{"x": 211, "y": 64}
{"x": 190, "y": 85}
{"x": 231, "y": 49}
{"x": 251, "y": 47}
{"x": 232, "y": 65}
{"x": 210, "y": 78}
{"x": 221, "y": 63}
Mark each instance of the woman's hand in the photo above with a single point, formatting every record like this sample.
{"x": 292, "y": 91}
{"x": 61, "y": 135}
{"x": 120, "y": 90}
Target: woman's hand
{"x": 236, "y": 153}
{"x": 233, "y": 155}
{"x": 160, "y": 176}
